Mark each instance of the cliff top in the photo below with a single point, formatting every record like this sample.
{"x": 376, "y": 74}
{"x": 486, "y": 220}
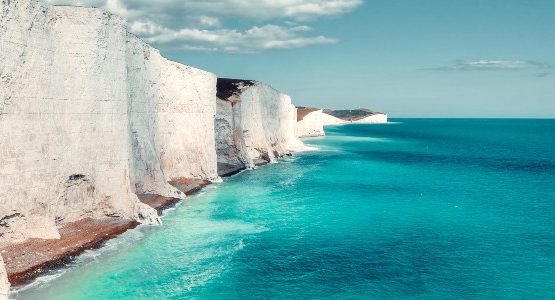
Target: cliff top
{"x": 303, "y": 111}
{"x": 227, "y": 88}
{"x": 351, "y": 114}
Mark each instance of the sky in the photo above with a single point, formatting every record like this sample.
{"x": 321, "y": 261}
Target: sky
{"x": 426, "y": 58}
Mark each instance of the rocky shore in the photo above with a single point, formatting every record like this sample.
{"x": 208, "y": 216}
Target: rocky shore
{"x": 27, "y": 260}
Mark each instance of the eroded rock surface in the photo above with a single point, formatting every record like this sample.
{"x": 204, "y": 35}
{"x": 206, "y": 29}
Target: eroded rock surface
{"x": 255, "y": 124}
{"x": 64, "y": 116}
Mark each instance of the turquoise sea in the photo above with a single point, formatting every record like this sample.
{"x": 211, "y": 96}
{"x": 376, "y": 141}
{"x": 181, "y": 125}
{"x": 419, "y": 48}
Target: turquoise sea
{"x": 415, "y": 209}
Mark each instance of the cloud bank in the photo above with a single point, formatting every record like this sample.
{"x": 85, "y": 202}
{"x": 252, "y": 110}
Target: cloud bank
{"x": 481, "y": 65}
{"x": 204, "y": 25}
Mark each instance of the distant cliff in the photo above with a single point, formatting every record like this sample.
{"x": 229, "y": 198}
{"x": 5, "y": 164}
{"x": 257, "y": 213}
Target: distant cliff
{"x": 255, "y": 124}
{"x": 311, "y": 121}
{"x": 361, "y": 115}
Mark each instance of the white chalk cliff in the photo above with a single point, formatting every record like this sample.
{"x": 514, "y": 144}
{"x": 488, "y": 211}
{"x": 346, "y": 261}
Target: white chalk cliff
{"x": 255, "y": 124}
{"x": 373, "y": 119}
{"x": 328, "y": 119}
{"x": 171, "y": 121}
{"x": 4, "y": 284}
{"x": 91, "y": 117}
{"x": 311, "y": 121}
{"x": 377, "y": 118}
{"x": 63, "y": 119}
{"x": 310, "y": 124}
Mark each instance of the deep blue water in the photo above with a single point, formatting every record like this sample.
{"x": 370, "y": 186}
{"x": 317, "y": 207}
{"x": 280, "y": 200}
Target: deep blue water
{"x": 418, "y": 209}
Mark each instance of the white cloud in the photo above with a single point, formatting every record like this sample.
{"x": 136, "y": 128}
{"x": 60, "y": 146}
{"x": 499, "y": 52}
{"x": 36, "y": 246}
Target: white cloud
{"x": 310, "y": 9}
{"x": 495, "y": 65}
{"x": 259, "y": 9}
{"x": 201, "y": 25}
{"x": 209, "y": 21}
{"x": 255, "y": 39}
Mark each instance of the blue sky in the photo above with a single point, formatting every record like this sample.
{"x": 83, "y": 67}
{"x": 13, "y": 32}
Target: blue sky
{"x": 426, "y": 58}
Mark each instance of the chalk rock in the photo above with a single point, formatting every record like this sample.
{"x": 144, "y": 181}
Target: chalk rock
{"x": 255, "y": 124}
{"x": 378, "y": 118}
{"x": 90, "y": 116}
{"x": 310, "y": 122}
{"x": 172, "y": 108}
{"x": 328, "y": 119}
{"x": 63, "y": 111}
{"x": 4, "y": 284}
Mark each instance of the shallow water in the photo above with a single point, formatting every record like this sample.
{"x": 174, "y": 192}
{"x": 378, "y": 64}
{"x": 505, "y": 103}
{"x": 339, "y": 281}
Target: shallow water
{"x": 419, "y": 209}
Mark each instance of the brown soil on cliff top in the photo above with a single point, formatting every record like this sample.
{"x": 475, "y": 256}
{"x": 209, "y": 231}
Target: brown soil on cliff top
{"x": 303, "y": 111}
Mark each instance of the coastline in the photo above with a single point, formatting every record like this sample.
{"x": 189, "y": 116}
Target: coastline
{"x": 33, "y": 258}
{"x": 161, "y": 125}
{"x": 27, "y": 261}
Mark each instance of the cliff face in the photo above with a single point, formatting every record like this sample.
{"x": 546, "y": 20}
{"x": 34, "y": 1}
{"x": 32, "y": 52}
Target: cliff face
{"x": 255, "y": 124}
{"x": 4, "y": 284}
{"x": 65, "y": 151}
{"x": 92, "y": 119}
{"x": 331, "y": 120}
{"x": 309, "y": 122}
{"x": 171, "y": 111}
{"x": 373, "y": 119}
{"x": 90, "y": 116}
